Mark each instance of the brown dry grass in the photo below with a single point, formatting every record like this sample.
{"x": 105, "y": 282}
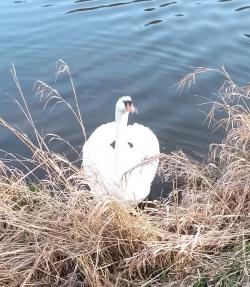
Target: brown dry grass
{"x": 56, "y": 234}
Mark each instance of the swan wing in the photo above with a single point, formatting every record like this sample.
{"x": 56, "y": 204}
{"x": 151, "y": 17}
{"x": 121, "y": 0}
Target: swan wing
{"x": 139, "y": 179}
{"x": 144, "y": 141}
{"x": 98, "y": 158}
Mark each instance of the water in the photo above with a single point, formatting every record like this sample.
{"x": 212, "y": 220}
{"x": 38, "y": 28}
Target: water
{"x": 140, "y": 48}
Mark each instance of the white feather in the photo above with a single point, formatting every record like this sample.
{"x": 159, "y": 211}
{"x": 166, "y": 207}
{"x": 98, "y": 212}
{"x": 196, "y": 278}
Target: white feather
{"x": 133, "y": 180}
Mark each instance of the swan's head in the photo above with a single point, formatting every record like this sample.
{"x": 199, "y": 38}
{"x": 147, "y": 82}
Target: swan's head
{"x": 125, "y": 105}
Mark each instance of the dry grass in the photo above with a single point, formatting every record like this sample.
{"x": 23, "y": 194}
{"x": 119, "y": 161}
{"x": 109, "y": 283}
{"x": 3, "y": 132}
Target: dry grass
{"x": 55, "y": 233}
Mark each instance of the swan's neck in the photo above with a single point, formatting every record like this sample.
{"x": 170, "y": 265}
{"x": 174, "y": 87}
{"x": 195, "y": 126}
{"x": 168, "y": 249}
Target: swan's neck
{"x": 121, "y": 142}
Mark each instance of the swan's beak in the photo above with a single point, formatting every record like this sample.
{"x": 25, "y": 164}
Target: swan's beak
{"x": 130, "y": 107}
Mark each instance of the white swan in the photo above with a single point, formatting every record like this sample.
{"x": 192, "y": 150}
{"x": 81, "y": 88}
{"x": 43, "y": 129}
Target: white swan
{"x": 107, "y": 166}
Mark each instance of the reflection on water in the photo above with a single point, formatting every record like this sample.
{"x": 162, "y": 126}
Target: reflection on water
{"x": 115, "y": 48}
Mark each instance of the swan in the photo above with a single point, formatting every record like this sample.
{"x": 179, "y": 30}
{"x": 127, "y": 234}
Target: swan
{"x": 114, "y": 157}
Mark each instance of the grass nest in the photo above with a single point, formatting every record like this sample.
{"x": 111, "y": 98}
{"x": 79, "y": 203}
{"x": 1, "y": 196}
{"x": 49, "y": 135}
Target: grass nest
{"x": 55, "y": 233}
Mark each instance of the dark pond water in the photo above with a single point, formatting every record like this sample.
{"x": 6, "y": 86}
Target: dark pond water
{"x": 140, "y": 48}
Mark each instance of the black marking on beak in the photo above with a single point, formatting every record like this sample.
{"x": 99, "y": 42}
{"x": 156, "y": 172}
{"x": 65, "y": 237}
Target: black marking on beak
{"x": 128, "y": 104}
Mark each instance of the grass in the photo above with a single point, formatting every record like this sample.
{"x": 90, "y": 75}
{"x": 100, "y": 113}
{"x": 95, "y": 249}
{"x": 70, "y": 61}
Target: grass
{"x": 55, "y": 233}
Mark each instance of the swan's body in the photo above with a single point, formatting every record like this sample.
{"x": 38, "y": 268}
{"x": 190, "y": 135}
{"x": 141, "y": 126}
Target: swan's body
{"x": 121, "y": 171}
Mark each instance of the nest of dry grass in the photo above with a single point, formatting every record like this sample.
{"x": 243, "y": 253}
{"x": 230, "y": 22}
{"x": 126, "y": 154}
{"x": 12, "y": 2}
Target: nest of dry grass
{"x": 54, "y": 233}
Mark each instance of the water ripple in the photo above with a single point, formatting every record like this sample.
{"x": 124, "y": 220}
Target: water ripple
{"x": 149, "y": 9}
{"x": 105, "y": 6}
{"x": 242, "y": 8}
{"x": 47, "y": 5}
{"x": 78, "y": 1}
{"x": 153, "y": 22}
{"x": 168, "y": 3}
